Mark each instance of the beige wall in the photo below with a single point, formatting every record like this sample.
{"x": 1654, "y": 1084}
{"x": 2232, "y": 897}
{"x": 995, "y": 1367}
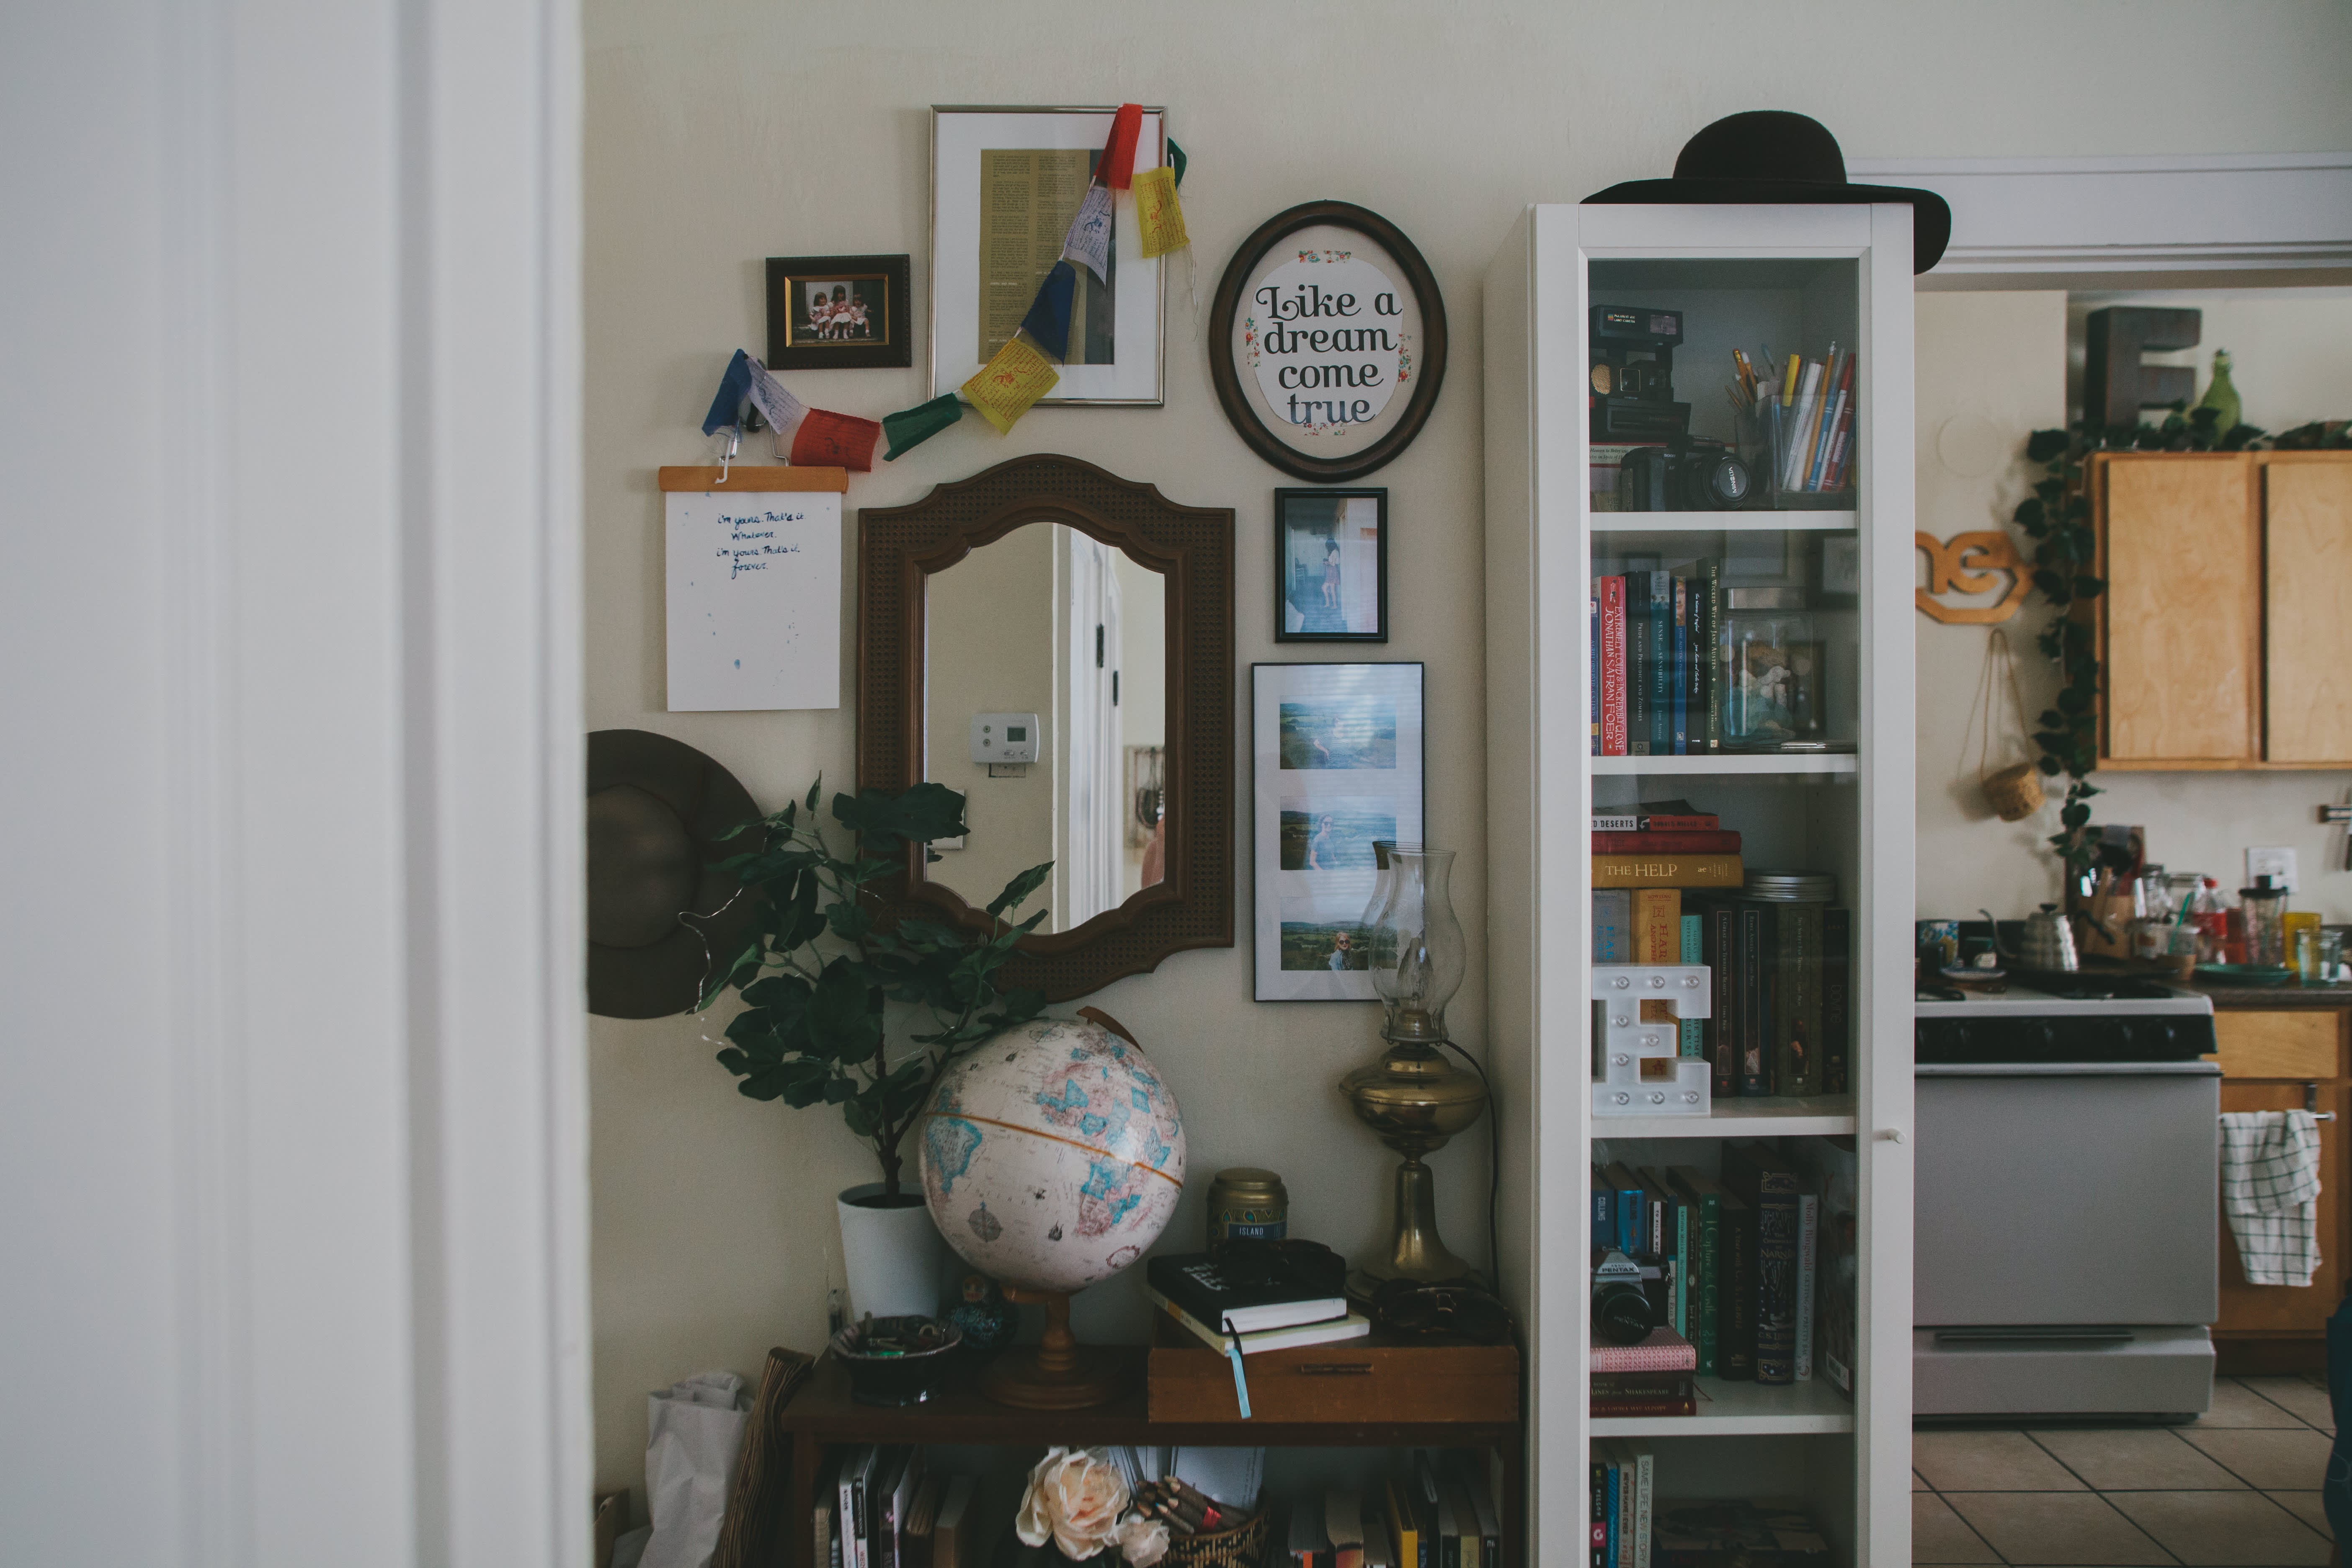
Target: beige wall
{"x": 1990, "y": 370}
{"x": 989, "y": 649}
{"x": 722, "y": 132}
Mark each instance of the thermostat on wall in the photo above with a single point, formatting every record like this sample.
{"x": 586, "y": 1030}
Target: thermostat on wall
{"x": 1005, "y": 737}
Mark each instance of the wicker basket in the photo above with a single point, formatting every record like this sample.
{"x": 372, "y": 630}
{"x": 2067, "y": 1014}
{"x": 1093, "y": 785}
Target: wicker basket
{"x": 1243, "y": 1546}
{"x": 2015, "y": 792}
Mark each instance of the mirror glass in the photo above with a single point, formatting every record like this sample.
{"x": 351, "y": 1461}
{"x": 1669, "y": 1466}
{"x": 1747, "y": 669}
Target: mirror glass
{"x": 1049, "y": 647}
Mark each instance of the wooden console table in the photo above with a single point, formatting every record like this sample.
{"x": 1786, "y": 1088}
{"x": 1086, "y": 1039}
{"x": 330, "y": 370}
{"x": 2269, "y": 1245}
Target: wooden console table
{"x": 821, "y": 1414}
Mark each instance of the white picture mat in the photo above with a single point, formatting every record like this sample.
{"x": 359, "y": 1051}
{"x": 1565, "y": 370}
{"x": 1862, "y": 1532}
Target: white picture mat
{"x": 1324, "y": 895}
{"x": 957, "y": 138}
{"x": 753, "y": 583}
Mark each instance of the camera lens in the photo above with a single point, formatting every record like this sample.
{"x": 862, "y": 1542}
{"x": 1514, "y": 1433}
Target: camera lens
{"x": 1726, "y": 479}
{"x": 1622, "y": 1314}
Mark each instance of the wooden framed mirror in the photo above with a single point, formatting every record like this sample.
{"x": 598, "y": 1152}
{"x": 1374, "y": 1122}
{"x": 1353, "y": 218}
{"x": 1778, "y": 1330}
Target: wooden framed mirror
{"x": 1048, "y": 588}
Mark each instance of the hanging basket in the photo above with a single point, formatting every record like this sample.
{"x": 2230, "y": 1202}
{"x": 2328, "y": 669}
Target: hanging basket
{"x": 2014, "y": 791}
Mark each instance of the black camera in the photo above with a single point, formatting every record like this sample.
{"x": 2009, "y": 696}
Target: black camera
{"x": 1682, "y": 476}
{"x": 1622, "y": 1312}
{"x": 1633, "y": 374}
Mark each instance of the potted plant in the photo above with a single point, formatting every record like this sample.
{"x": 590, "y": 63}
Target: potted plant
{"x": 822, "y": 977}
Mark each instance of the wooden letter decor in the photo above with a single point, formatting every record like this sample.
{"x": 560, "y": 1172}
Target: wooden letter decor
{"x": 1967, "y": 564}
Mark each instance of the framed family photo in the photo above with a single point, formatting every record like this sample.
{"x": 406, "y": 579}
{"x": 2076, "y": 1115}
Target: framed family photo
{"x": 1337, "y": 768}
{"x": 1006, "y": 184}
{"x": 839, "y": 312}
{"x": 1330, "y": 566}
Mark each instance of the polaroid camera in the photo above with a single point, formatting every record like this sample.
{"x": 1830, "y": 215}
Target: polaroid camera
{"x": 1632, "y": 370}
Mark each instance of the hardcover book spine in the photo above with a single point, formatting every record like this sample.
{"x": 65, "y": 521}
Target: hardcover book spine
{"x": 1776, "y": 1278}
{"x": 1796, "y": 998}
{"x": 1613, "y": 666}
{"x": 1679, "y": 822}
{"x": 1707, "y": 732}
{"x": 1627, "y": 841}
{"x": 1657, "y": 925}
{"x": 1755, "y": 1064}
{"x": 1837, "y": 999}
{"x": 1809, "y": 1239}
{"x": 1710, "y": 1283}
{"x": 1683, "y": 1324}
{"x": 1667, "y": 871}
{"x": 1600, "y": 1514}
{"x": 1604, "y": 1213}
{"x": 1613, "y": 926}
{"x": 1660, "y": 628}
{"x": 1736, "y": 1354}
{"x": 1592, "y": 665}
{"x": 1612, "y": 825}
{"x": 1680, "y": 660}
{"x": 1637, "y": 663}
{"x": 1694, "y": 1031}
{"x": 1722, "y": 1031}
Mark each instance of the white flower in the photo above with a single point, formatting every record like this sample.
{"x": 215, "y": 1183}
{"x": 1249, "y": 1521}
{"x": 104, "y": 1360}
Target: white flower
{"x": 1142, "y": 1540}
{"x": 1075, "y": 1496}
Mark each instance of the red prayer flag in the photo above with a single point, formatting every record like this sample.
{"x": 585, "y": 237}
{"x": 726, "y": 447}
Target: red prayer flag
{"x": 826, "y": 439}
{"x": 1117, "y": 166}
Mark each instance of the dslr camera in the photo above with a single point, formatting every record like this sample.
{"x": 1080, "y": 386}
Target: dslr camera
{"x": 1633, "y": 374}
{"x": 1622, "y": 1312}
{"x": 1683, "y": 475}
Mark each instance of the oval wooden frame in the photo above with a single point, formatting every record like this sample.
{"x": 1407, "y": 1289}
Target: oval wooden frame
{"x": 898, "y": 547}
{"x": 1225, "y": 377}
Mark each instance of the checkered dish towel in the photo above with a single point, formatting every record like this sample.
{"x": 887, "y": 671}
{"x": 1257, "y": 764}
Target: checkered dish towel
{"x": 2269, "y": 1190}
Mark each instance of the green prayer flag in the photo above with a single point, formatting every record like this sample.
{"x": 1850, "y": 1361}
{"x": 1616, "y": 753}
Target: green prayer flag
{"x": 911, "y": 427}
{"x": 1176, "y": 162}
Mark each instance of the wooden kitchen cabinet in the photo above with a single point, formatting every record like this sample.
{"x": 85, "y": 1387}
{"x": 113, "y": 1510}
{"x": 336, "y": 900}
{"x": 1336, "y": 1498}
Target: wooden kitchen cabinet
{"x": 2225, "y": 632}
{"x": 2270, "y": 1059}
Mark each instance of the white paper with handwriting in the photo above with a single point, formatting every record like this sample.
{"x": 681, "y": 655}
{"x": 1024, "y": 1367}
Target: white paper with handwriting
{"x": 754, "y": 600}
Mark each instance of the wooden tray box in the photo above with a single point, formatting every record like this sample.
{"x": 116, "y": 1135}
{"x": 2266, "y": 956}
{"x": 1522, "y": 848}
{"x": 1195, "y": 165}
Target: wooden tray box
{"x": 1371, "y": 1379}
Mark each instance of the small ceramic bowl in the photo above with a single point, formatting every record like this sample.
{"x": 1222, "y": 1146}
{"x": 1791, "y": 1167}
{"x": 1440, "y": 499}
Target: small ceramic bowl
{"x": 897, "y": 1361}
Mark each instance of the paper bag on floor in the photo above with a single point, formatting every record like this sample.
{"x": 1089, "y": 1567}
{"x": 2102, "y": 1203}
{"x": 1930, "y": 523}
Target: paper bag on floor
{"x": 693, "y": 1430}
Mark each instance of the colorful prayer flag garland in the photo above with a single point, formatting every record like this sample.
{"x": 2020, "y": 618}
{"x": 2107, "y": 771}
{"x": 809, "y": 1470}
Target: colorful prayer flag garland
{"x": 1012, "y": 382}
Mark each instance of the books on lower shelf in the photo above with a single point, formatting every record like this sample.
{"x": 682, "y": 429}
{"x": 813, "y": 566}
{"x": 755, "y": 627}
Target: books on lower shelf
{"x": 1440, "y": 1513}
{"x": 1754, "y": 1272}
{"x": 1737, "y": 1533}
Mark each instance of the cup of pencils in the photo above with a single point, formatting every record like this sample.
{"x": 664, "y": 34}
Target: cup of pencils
{"x": 1795, "y": 424}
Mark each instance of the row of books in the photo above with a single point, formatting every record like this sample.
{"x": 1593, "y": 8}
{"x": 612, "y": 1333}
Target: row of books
{"x": 1781, "y": 1018}
{"x": 1670, "y": 845}
{"x": 1755, "y": 1272}
{"x": 1657, "y": 687}
{"x": 881, "y": 1506}
{"x": 1632, "y": 1530}
{"x": 1439, "y": 1514}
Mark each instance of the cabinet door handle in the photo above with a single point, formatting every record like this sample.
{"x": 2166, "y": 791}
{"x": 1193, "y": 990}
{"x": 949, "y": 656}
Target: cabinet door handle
{"x": 1336, "y": 1369}
{"x": 1890, "y": 1135}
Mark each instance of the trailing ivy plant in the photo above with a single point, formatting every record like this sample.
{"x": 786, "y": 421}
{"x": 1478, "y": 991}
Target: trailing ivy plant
{"x": 2057, "y": 519}
{"x": 819, "y": 966}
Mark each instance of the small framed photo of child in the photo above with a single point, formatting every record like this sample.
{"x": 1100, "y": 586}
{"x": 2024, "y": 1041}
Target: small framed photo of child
{"x": 1331, "y": 565}
{"x": 839, "y": 312}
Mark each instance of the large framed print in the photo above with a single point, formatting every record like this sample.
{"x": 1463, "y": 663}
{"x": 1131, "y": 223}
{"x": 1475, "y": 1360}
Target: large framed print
{"x": 1005, "y": 183}
{"x": 1327, "y": 342}
{"x": 1337, "y": 767}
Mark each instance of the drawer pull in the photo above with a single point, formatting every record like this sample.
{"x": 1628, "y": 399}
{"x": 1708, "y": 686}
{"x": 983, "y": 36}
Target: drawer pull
{"x": 1336, "y": 1369}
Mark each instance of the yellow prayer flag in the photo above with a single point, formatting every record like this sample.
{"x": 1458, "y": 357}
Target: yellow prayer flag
{"x": 1159, "y": 216}
{"x": 1006, "y": 385}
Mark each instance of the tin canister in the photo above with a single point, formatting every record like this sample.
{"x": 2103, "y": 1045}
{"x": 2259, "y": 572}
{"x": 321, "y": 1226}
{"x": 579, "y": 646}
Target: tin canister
{"x": 1940, "y": 943}
{"x": 1247, "y": 1204}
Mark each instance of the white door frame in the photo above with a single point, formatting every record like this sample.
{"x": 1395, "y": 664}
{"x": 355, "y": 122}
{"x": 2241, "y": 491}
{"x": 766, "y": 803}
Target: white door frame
{"x": 292, "y": 1103}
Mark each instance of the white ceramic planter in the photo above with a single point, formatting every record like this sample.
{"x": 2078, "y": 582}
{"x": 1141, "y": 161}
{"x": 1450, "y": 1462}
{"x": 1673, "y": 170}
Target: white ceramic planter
{"x": 895, "y": 1258}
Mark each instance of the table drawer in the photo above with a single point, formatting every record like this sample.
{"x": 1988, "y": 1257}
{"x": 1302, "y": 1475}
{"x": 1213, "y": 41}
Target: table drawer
{"x": 2278, "y": 1045}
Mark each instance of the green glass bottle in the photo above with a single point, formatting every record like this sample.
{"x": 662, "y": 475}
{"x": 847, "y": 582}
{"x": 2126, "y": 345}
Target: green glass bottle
{"x": 2222, "y": 396}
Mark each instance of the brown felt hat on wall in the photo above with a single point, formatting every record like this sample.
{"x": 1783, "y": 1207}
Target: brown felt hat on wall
{"x": 659, "y": 906}
{"x": 1772, "y": 155}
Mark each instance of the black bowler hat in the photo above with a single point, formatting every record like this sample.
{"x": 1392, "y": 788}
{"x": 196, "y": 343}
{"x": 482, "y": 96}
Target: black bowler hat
{"x": 1772, "y": 155}
{"x": 661, "y": 911}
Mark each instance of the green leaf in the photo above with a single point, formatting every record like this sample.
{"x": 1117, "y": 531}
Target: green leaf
{"x": 2044, "y": 445}
{"x": 883, "y": 821}
{"x": 1020, "y": 888}
{"x": 845, "y": 1014}
{"x": 814, "y": 791}
{"x": 854, "y": 1114}
{"x": 2029, "y": 514}
{"x": 735, "y": 1061}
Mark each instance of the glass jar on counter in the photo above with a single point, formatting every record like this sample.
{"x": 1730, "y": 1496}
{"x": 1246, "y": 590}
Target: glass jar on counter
{"x": 2262, "y": 909}
{"x": 1773, "y": 666}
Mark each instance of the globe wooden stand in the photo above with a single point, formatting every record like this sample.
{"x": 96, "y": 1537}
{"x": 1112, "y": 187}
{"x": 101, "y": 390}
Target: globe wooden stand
{"x": 1057, "y": 1373}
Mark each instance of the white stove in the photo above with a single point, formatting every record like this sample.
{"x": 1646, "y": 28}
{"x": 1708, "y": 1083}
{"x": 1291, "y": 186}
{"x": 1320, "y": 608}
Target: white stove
{"x": 2067, "y": 1202}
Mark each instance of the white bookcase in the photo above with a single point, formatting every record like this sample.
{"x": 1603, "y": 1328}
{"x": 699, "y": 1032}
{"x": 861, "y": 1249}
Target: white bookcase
{"x": 1794, "y": 277}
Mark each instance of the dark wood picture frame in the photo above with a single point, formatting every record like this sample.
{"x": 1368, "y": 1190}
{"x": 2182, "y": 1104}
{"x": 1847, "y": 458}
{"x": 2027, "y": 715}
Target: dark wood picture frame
{"x": 898, "y": 547}
{"x": 895, "y": 351}
{"x": 1225, "y": 376}
{"x": 1283, "y": 500}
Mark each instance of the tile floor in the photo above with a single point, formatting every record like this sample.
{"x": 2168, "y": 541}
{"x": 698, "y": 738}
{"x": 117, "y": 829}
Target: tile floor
{"x": 2238, "y": 1486}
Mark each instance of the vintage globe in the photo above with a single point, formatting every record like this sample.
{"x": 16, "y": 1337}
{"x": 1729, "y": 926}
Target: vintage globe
{"x": 1053, "y": 1156}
